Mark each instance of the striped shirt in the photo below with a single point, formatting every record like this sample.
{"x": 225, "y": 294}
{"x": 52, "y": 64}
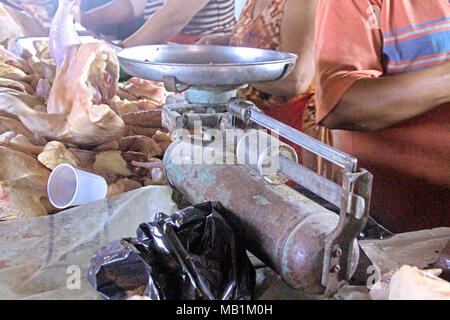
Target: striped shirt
{"x": 384, "y": 37}
{"x": 417, "y": 46}
{"x": 216, "y": 17}
{"x": 410, "y": 161}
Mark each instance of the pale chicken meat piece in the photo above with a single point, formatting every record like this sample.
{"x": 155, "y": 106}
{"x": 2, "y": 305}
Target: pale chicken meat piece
{"x": 411, "y": 283}
{"x": 55, "y": 153}
{"x": 32, "y": 101}
{"x": 146, "y": 89}
{"x": 14, "y": 61}
{"x": 127, "y": 106}
{"x": 142, "y": 144}
{"x": 9, "y": 28}
{"x": 16, "y": 85}
{"x": 114, "y": 163}
{"x": 123, "y": 106}
{"x": 7, "y": 53}
{"x": 111, "y": 162}
{"x": 42, "y": 48}
{"x": 122, "y": 186}
{"x": 124, "y": 95}
{"x": 45, "y": 72}
{"x": 23, "y": 182}
{"x": 43, "y": 68}
{"x": 161, "y": 136}
{"x": 77, "y": 110}
{"x": 13, "y": 125}
{"x": 43, "y": 89}
{"x": 20, "y": 143}
{"x": 8, "y": 71}
{"x": 140, "y": 131}
{"x": 62, "y": 33}
{"x": 83, "y": 87}
{"x": 158, "y": 176}
{"x": 144, "y": 118}
{"x": 85, "y": 82}
{"x": 14, "y": 23}
{"x": 136, "y": 143}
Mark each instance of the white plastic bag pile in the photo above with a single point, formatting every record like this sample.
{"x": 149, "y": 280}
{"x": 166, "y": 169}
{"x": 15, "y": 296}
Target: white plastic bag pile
{"x": 48, "y": 257}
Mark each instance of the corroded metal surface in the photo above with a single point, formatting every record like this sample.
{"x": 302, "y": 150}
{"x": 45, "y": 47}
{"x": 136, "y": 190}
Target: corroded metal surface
{"x": 280, "y": 226}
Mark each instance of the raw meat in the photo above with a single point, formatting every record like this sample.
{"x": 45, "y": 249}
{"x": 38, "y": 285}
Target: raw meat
{"x": 411, "y": 283}
{"x": 145, "y": 89}
{"x": 86, "y": 81}
{"x": 23, "y": 182}
{"x": 20, "y": 143}
{"x": 14, "y": 23}
{"x": 55, "y": 153}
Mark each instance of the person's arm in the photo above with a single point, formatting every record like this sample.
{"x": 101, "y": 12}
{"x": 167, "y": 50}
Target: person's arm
{"x": 352, "y": 93}
{"x": 115, "y": 12}
{"x": 371, "y": 104}
{"x": 297, "y": 36}
{"x": 166, "y": 23}
{"x": 215, "y": 40}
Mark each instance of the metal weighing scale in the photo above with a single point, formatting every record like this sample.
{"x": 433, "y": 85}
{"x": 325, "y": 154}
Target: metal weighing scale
{"x": 208, "y": 77}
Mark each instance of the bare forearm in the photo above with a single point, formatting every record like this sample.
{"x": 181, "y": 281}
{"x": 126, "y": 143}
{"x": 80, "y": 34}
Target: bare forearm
{"x": 156, "y": 30}
{"x": 372, "y": 104}
{"x": 297, "y": 36}
{"x": 290, "y": 86}
{"x": 166, "y": 22}
{"x": 215, "y": 40}
{"x": 116, "y": 12}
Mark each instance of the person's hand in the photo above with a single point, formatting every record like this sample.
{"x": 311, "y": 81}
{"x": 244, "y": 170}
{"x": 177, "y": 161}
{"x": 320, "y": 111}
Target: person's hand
{"x": 214, "y": 40}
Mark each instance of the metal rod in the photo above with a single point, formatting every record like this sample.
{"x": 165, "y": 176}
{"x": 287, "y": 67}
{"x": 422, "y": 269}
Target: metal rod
{"x": 331, "y": 154}
{"x": 310, "y": 180}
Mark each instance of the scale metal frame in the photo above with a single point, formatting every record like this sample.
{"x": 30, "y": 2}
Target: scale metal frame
{"x": 209, "y": 77}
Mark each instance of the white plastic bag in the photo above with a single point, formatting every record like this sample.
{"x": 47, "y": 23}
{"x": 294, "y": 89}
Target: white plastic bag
{"x": 48, "y": 257}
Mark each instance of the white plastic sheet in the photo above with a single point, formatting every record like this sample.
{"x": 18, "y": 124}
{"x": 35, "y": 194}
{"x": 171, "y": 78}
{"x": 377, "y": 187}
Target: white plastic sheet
{"x": 49, "y": 257}
{"x": 420, "y": 249}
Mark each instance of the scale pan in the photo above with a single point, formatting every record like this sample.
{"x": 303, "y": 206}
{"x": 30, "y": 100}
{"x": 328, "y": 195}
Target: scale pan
{"x": 206, "y": 66}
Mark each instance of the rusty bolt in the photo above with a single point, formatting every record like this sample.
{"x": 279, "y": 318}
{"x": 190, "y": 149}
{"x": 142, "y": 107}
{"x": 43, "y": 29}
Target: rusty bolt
{"x": 335, "y": 268}
{"x": 337, "y": 253}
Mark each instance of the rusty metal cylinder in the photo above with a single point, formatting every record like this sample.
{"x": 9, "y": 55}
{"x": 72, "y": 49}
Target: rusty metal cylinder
{"x": 280, "y": 226}
{"x": 261, "y": 152}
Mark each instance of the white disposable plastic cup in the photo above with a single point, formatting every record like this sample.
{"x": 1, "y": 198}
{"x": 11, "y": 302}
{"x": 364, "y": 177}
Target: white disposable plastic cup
{"x": 68, "y": 186}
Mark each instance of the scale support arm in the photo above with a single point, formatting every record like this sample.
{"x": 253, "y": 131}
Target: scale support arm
{"x": 353, "y": 197}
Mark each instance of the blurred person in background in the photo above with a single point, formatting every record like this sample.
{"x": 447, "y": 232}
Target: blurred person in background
{"x": 383, "y": 80}
{"x": 50, "y": 6}
{"x": 281, "y": 25}
{"x": 162, "y": 21}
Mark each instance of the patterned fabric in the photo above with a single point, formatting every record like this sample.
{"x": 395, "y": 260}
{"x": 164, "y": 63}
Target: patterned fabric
{"x": 410, "y": 161}
{"x": 263, "y": 32}
{"x": 217, "y": 17}
{"x": 417, "y": 46}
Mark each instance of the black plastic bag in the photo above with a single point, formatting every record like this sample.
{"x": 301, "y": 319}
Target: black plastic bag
{"x": 190, "y": 255}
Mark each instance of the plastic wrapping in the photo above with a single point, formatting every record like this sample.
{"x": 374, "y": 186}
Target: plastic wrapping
{"x": 190, "y": 255}
{"x": 49, "y": 257}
